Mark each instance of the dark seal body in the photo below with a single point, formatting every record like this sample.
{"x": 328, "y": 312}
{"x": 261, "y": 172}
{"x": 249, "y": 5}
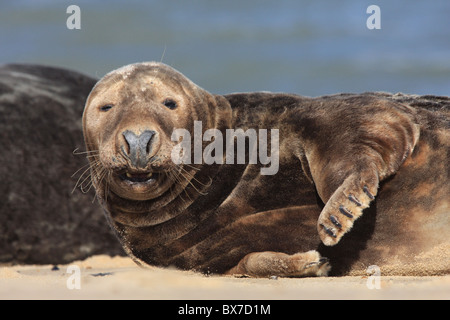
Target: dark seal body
{"x": 41, "y": 219}
{"x": 379, "y": 156}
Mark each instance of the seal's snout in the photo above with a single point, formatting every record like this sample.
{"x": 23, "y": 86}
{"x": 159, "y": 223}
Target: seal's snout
{"x": 137, "y": 148}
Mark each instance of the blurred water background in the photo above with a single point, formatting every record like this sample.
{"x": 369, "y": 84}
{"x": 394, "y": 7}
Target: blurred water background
{"x": 308, "y": 47}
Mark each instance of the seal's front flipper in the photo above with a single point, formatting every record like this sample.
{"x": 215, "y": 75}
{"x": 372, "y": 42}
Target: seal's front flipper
{"x": 348, "y": 148}
{"x": 346, "y": 205}
{"x": 268, "y": 263}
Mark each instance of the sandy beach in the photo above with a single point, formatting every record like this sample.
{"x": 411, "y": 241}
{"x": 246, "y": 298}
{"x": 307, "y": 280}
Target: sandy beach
{"x": 104, "y": 277}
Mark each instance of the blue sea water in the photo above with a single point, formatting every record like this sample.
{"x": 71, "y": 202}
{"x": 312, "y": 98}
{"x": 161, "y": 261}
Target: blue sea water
{"x": 306, "y": 47}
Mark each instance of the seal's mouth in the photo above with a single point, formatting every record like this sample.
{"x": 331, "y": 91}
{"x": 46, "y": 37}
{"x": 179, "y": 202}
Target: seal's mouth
{"x": 139, "y": 184}
{"x": 139, "y": 177}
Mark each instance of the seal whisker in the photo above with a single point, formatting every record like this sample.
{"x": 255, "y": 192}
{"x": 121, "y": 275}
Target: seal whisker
{"x": 83, "y": 167}
{"x": 178, "y": 179}
{"x": 86, "y": 183}
{"x": 100, "y": 177}
{"x": 191, "y": 177}
{"x": 92, "y": 156}
{"x": 206, "y": 185}
{"x": 175, "y": 180}
{"x": 76, "y": 152}
{"x": 89, "y": 154}
{"x": 80, "y": 182}
{"x": 164, "y": 52}
{"x": 192, "y": 167}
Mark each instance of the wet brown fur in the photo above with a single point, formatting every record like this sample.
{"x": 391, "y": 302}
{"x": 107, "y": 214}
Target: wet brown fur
{"x": 341, "y": 150}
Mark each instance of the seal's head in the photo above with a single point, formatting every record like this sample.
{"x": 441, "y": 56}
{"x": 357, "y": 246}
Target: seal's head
{"x": 128, "y": 122}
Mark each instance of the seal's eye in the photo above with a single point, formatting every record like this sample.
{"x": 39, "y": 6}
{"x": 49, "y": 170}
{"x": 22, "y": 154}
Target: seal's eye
{"x": 106, "y": 107}
{"x": 169, "y": 103}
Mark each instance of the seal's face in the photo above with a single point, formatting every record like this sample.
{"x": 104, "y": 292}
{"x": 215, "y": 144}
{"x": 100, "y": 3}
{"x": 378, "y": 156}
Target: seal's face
{"x": 128, "y": 123}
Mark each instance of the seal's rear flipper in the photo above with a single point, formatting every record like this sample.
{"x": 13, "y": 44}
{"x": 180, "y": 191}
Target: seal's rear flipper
{"x": 268, "y": 263}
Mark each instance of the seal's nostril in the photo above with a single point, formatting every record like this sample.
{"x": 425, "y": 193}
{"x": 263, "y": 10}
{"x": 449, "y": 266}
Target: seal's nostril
{"x": 126, "y": 148}
{"x": 144, "y": 140}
